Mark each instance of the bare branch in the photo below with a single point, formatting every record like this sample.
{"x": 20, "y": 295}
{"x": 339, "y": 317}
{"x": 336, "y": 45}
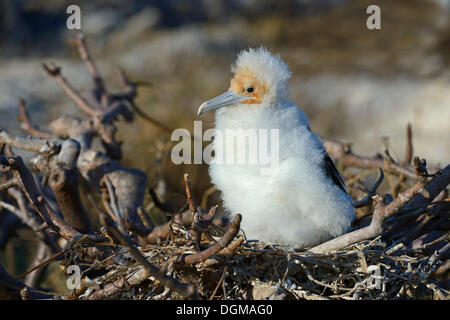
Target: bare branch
{"x": 184, "y": 290}
{"x": 344, "y": 155}
{"x": 10, "y": 288}
{"x": 82, "y": 103}
{"x": 367, "y": 200}
{"x": 29, "y": 144}
{"x": 162, "y": 232}
{"x": 121, "y": 284}
{"x": 64, "y": 184}
{"x": 41, "y": 253}
{"x": 26, "y": 124}
{"x": 190, "y": 199}
{"x": 9, "y": 184}
{"x": 37, "y": 201}
{"x": 113, "y": 204}
{"x": 229, "y": 235}
{"x": 409, "y": 145}
{"x": 10, "y": 208}
{"x": 149, "y": 119}
{"x": 32, "y": 220}
{"x": 56, "y": 159}
{"x": 89, "y": 62}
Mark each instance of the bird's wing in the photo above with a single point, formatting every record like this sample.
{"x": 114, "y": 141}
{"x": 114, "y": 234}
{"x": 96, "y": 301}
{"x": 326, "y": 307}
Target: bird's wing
{"x": 332, "y": 172}
{"x": 330, "y": 169}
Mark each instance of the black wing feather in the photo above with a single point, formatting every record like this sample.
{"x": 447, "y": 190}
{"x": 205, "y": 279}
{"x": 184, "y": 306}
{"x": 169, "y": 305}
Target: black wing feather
{"x": 331, "y": 171}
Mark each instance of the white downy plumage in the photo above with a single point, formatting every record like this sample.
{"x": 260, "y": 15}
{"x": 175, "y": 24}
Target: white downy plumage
{"x": 303, "y": 201}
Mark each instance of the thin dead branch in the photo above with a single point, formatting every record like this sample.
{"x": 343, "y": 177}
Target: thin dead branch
{"x": 409, "y": 145}
{"x": 184, "y": 290}
{"x": 26, "y": 124}
{"x": 382, "y": 211}
{"x": 190, "y": 198}
{"x": 10, "y": 289}
{"x": 367, "y": 200}
{"x": 55, "y": 72}
{"x": 223, "y": 242}
{"x": 344, "y": 155}
{"x": 80, "y": 42}
{"x": 32, "y": 279}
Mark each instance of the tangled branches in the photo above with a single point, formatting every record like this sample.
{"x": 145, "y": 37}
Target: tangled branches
{"x": 197, "y": 254}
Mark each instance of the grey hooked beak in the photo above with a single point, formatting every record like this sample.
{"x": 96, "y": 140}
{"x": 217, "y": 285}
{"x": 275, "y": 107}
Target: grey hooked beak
{"x": 226, "y": 99}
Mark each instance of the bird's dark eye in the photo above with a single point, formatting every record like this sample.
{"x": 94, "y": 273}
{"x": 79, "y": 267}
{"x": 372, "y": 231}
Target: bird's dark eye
{"x": 250, "y": 89}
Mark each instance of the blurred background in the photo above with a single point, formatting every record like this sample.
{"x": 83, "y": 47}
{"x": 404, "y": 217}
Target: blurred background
{"x": 356, "y": 85}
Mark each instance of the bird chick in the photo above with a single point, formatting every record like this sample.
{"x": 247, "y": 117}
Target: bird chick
{"x": 303, "y": 201}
